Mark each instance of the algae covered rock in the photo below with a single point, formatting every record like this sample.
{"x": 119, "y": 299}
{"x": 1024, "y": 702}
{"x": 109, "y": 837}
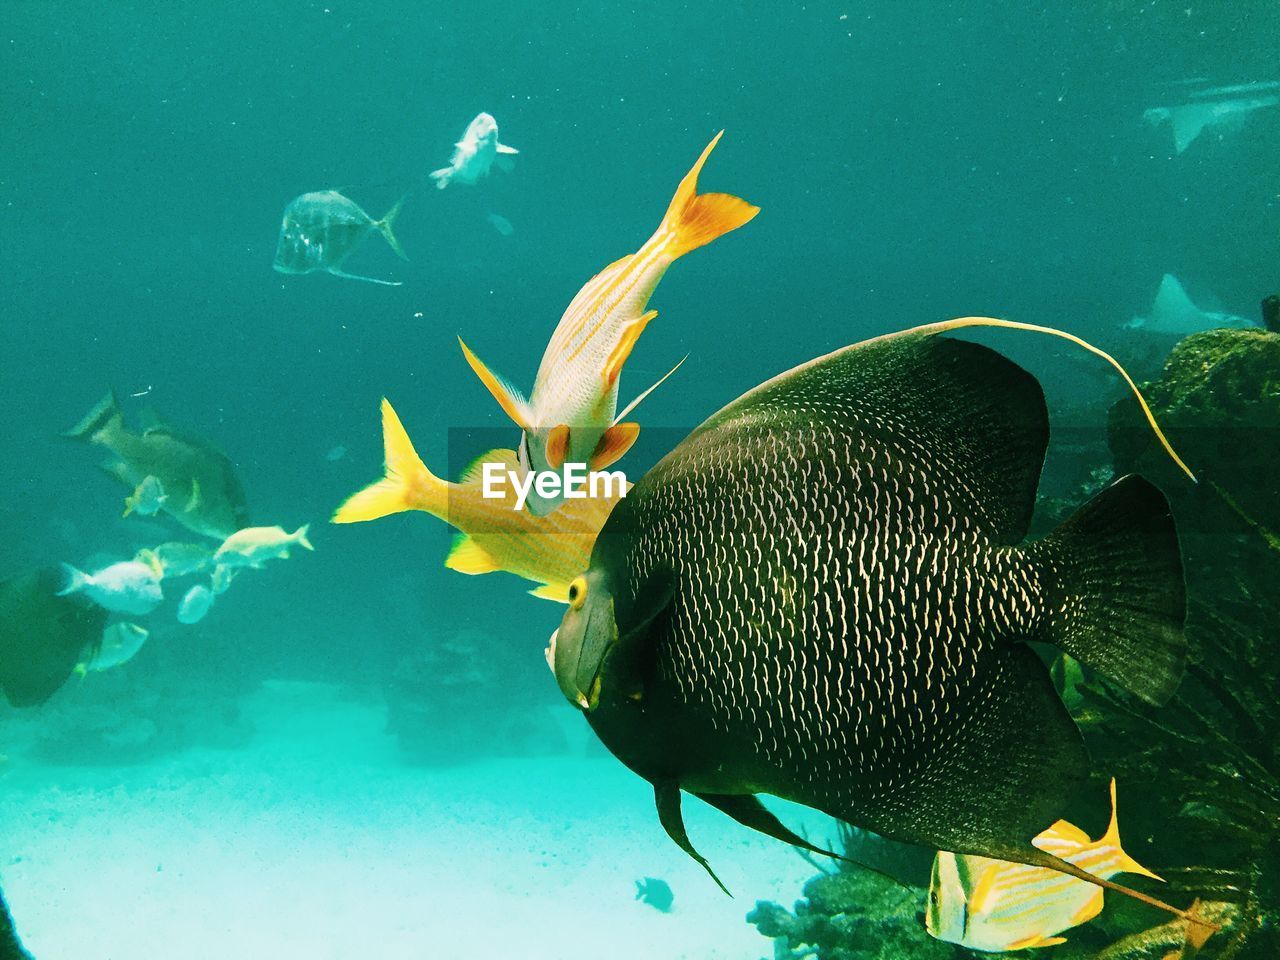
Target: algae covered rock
{"x": 853, "y": 914}
{"x": 1218, "y": 400}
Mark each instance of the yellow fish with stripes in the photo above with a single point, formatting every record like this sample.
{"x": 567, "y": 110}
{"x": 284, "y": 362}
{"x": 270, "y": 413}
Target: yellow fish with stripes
{"x": 570, "y": 416}
{"x": 550, "y": 550}
{"x": 997, "y": 906}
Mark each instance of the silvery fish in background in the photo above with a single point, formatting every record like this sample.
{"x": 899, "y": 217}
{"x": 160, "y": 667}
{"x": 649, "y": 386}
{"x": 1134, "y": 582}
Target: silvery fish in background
{"x": 131, "y": 586}
{"x": 476, "y": 154}
{"x": 195, "y": 604}
{"x": 1173, "y": 313}
{"x": 120, "y": 643}
{"x": 320, "y": 230}
{"x": 1212, "y": 108}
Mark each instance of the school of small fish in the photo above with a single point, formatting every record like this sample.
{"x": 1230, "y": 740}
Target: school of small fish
{"x": 179, "y": 477}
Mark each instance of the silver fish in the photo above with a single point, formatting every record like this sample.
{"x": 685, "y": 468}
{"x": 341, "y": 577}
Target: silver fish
{"x": 320, "y": 230}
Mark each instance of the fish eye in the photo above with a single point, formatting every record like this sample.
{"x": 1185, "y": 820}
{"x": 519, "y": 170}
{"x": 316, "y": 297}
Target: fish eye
{"x": 577, "y": 593}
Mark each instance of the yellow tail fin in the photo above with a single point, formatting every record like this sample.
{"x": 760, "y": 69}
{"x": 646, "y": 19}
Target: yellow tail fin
{"x": 406, "y": 485}
{"x": 694, "y": 220}
{"x": 1112, "y": 839}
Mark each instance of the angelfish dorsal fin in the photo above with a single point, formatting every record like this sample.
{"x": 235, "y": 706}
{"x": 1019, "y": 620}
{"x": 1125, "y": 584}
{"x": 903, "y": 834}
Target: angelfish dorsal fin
{"x": 666, "y": 794}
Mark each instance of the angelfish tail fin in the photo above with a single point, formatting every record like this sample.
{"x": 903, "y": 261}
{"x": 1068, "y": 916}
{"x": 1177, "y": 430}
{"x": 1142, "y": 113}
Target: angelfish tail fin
{"x": 693, "y": 220}
{"x": 408, "y": 484}
{"x": 1116, "y": 589}
{"x": 98, "y": 425}
{"x": 384, "y": 226}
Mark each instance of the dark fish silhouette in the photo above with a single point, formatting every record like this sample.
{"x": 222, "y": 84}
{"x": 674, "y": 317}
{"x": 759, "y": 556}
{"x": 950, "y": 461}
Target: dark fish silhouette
{"x": 203, "y": 492}
{"x": 656, "y": 893}
{"x": 42, "y": 636}
{"x": 823, "y": 594}
{"x": 320, "y": 230}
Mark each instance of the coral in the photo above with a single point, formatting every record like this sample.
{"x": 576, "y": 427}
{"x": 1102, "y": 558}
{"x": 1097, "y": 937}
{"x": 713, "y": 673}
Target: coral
{"x": 852, "y": 914}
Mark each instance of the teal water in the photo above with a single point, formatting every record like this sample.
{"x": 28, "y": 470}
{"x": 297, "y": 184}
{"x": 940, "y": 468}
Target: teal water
{"x": 913, "y": 161}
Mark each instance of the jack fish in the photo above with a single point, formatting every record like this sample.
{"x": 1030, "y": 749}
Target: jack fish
{"x": 824, "y": 594}
{"x": 493, "y": 536}
{"x": 202, "y": 491}
{"x": 570, "y": 416}
{"x": 320, "y": 230}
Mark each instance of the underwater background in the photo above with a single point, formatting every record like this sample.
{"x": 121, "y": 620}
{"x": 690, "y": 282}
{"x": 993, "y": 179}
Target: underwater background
{"x": 358, "y": 752}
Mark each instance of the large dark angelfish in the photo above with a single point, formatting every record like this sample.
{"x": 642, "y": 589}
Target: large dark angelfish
{"x": 823, "y": 594}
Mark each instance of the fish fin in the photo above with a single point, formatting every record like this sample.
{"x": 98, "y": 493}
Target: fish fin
{"x": 467, "y": 556}
{"x": 355, "y": 276}
{"x": 557, "y": 445}
{"x": 637, "y": 401}
{"x": 614, "y": 444}
{"x": 962, "y": 322}
{"x": 982, "y": 416}
{"x": 1088, "y": 910}
{"x": 1021, "y": 763}
{"x": 442, "y": 177}
{"x": 559, "y": 592}
{"x": 129, "y": 503}
{"x": 76, "y": 580}
{"x": 1117, "y": 600}
{"x": 100, "y": 423}
{"x": 408, "y": 484}
{"x": 666, "y": 794}
{"x": 1033, "y": 942}
{"x": 116, "y": 470}
{"x": 985, "y": 886}
{"x": 473, "y": 472}
{"x": 1063, "y": 832}
{"x": 747, "y": 809}
{"x": 509, "y": 398}
{"x": 384, "y": 226}
{"x": 626, "y": 343}
{"x": 503, "y": 148}
{"x": 300, "y": 537}
{"x": 694, "y": 220}
{"x": 1111, "y": 838}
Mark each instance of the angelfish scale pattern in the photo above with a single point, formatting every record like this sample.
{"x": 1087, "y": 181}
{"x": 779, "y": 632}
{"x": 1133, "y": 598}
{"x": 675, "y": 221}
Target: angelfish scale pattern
{"x": 836, "y": 598}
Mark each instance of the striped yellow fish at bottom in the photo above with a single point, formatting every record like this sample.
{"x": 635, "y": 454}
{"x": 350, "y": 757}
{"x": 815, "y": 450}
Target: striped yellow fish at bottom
{"x": 992, "y": 905}
{"x": 549, "y": 550}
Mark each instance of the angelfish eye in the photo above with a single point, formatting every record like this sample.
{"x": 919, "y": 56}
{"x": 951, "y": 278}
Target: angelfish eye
{"x": 577, "y": 593}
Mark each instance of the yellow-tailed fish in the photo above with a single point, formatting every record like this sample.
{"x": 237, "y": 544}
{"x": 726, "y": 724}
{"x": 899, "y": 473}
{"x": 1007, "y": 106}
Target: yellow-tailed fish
{"x": 547, "y": 550}
{"x": 993, "y": 905}
{"x": 570, "y": 415}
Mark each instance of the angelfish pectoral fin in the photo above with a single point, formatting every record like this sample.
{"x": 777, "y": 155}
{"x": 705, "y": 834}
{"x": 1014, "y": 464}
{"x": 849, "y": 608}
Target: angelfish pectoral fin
{"x": 750, "y": 812}
{"x": 666, "y": 794}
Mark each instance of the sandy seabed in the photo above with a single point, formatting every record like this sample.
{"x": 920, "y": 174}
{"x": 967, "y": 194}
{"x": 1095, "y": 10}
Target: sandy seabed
{"x": 315, "y": 842}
